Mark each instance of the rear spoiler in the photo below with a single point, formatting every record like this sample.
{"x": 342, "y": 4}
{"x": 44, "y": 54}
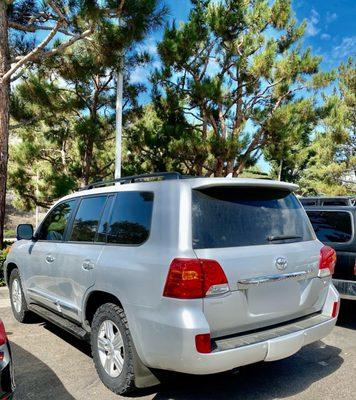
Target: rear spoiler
{"x": 200, "y": 183}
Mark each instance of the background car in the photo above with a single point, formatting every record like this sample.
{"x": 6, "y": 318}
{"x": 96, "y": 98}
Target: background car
{"x": 328, "y": 201}
{"x": 6, "y": 369}
{"x": 335, "y": 227}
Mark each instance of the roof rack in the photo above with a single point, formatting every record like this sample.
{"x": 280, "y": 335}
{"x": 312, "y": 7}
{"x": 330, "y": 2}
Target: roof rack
{"x": 136, "y": 178}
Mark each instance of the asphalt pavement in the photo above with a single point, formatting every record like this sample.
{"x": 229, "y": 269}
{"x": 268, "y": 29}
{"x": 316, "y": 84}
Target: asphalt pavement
{"x": 51, "y": 364}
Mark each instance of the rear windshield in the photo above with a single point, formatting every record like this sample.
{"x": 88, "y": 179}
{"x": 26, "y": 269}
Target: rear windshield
{"x": 228, "y": 216}
{"x": 331, "y": 226}
{"x": 335, "y": 203}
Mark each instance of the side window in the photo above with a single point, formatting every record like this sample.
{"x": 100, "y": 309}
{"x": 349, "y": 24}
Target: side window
{"x": 130, "y": 221}
{"x": 331, "y": 226}
{"x": 54, "y": 225}
{"x": 87, "y": 219}
{"x": 104, "y": 223}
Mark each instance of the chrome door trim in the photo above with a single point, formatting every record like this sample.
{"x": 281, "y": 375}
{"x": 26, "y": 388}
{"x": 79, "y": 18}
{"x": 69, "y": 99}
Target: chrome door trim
{"x": 244, "y": 284}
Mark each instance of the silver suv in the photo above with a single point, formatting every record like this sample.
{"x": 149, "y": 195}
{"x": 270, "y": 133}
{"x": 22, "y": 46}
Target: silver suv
{"x": 196, "y": 275}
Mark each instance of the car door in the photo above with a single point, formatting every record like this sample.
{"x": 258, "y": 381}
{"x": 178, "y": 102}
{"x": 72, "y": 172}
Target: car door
{"x": 42, "y": 255}
{"x": 77, "y": 256}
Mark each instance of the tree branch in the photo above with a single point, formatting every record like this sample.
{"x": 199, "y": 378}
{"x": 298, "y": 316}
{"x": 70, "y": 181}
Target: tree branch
{"x": 32, "y": 54}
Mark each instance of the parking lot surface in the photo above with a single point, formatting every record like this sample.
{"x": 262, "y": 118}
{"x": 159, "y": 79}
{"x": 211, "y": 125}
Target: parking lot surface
{"x": 51, "y": 364}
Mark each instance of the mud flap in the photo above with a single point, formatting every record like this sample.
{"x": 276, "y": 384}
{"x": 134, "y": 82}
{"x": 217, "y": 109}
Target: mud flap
{"x": 144, "y": 377}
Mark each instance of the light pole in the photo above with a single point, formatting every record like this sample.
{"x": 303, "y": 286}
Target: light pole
{"x": 119, "y": 87}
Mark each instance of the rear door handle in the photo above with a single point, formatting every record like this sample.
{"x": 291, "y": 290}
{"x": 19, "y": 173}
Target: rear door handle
{"x": 49, "y": 258}
{"x": 87, "y": 265}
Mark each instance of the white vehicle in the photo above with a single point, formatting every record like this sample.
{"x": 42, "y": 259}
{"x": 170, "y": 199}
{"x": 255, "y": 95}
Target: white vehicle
{"x": 196, "y": 275}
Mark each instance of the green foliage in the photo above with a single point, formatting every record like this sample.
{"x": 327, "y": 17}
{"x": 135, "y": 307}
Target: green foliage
{"x": 3, "y": 254}
{"x": 231, "y": 75}
{"x": 332, "y": 153}
{"x": 66, "y": 106}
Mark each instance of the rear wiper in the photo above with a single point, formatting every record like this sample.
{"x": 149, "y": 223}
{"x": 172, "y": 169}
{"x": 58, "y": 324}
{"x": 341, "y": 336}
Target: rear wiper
{"x": 282, "y": 237}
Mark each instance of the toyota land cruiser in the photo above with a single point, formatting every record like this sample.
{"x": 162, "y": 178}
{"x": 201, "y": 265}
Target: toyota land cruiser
{"x": 196, "y": 275}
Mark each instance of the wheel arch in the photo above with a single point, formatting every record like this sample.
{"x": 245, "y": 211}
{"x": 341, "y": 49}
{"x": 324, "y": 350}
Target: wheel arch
{"x": 94, "y": 300}
{"x": 8, "y": 268}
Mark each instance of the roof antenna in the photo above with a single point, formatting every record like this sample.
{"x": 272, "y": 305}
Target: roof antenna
{"x": 229, "y": 175}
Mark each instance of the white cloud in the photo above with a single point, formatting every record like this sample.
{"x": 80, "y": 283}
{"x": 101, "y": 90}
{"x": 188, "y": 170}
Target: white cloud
{"x": 325, "y": 36}
{"x": 312, "y": 22}
{"x": 346, "y": 48}
{"x": 150, "y": 46}
{"x": 330, "y": 17}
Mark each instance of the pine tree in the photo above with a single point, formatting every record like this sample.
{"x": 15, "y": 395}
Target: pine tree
{"x": 232, "y": 71}
{"x": 67, "y": 23}
{"x": 332, "y": 154}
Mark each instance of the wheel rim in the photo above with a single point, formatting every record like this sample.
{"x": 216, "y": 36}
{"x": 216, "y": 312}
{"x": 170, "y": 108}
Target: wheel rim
{"x": 16, "y": 295}
{"x": 111, "y": 348}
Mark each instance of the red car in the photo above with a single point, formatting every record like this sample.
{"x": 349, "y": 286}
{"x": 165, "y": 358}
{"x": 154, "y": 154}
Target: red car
{"x": 6, "y": 369}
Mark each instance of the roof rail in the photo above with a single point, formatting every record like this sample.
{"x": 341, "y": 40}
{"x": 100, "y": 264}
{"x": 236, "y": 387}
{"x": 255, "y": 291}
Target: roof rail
{"x": 135, "y": 178}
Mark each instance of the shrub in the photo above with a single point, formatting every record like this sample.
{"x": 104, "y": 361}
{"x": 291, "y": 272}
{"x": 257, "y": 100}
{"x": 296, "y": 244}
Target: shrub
{"x": 3, "y": 255}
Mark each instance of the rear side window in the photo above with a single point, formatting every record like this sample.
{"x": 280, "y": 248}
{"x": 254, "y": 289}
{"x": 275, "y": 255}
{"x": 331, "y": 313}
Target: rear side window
{"x": 130, "y": 221}
{"x": 87, "y": 219}
{"x": 104, "y": 223}
{"x": 230, "y": 216}
{"x": 331, "y": 226}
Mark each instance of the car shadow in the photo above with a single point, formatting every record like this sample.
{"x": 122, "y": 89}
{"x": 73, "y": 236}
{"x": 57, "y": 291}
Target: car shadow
{"x": 81, "y": 345}
{"x": 33, "y": 375}
{"x": 264, "y": 381}
{"x": 347, "y": 314}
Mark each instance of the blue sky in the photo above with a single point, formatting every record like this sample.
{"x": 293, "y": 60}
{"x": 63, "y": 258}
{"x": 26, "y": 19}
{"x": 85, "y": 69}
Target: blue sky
{"x": 330, "y": 32}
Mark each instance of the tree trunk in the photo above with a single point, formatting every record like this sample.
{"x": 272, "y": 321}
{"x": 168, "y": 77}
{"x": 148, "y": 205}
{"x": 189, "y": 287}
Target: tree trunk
{"x": 219, "y": 169}
{"x": 4, "y": 113}
{"x": 230, "y": 167}
{"x": 240, "y": 168}
{"x": 88, "y": 158}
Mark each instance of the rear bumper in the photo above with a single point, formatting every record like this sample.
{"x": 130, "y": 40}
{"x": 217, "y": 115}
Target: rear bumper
{"x": 173, "y": 347}
{"x": 266, "y": 350}
{"x": 347, "y": 289}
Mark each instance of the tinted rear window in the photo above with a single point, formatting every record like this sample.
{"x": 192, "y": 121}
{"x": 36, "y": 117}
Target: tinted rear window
{"x": 243, "y": 216}
{"x": 335, "y": 203}
{"x": 331, "y": 226}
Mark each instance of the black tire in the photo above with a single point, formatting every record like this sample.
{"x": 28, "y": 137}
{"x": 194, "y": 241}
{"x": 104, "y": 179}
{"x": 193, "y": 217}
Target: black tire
{"x": 125, "y": 382}
{"x": 23, "y": 315}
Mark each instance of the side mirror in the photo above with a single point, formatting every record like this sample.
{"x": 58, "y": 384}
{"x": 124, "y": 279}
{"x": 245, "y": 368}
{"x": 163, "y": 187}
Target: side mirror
{"x": 24, "y": 231}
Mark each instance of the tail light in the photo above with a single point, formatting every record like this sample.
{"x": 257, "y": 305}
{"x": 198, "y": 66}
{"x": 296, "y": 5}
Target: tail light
{"x": 3, "y": 337}
{"x": 355, "y": 267}
{"x": 192, "y": 278}
{"x": 327, "y": 261}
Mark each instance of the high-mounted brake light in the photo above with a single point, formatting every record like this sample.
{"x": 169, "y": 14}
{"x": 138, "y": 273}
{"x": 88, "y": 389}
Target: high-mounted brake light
{"x": 327, "y": 261}
{"x": 192, "y": 278}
